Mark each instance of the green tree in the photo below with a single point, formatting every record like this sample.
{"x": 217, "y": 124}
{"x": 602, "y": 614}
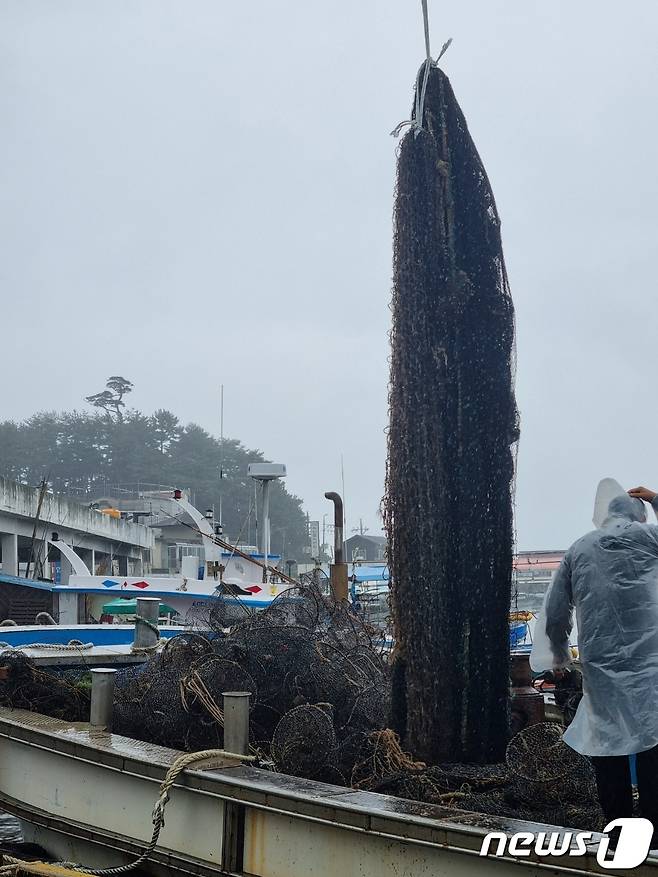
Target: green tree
{"x": 166, "y": 430}
{"x": 111, "y": 398}
{"x": 84, "y": 454}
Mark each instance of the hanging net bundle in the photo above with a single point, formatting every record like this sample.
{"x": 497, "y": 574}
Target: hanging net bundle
{"x": 453, "y": 427}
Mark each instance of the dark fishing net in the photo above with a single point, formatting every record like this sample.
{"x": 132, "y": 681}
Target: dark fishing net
{"x": 317, "y": 679}
{"x": 546, "y": 771}
{"x": 318, "y": 710}
{"x": 453, "y": 426}
{"x": 542, "y": 780}
{"x": 62, "y": 695}
{"x": 304, "y": 742}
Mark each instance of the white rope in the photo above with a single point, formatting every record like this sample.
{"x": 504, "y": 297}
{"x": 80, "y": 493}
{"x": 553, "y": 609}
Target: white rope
{"x": 14, "y": 866}
{"x": 417, "y": 122}
{"x": 74, "y": 645}
{"x": 184, "y": 761}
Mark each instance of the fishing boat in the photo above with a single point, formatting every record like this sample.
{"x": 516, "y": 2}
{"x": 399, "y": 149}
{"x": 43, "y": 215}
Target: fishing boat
{"x": 247, "y": 580}
{"x": 87, "y": 796}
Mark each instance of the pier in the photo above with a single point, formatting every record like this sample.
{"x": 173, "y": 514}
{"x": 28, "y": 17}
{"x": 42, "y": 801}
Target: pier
{"x": 234, "y": 819}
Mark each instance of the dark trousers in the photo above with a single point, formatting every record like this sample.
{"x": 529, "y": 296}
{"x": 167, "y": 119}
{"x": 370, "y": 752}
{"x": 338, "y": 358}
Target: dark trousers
{"x": 613, "y": 781}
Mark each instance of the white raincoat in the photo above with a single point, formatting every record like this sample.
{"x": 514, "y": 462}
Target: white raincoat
{"x": 610, "y": 578}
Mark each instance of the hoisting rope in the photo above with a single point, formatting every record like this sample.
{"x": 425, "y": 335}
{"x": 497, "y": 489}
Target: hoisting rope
{"x": 417, "y": 122}
{"x": 184, "y": 761}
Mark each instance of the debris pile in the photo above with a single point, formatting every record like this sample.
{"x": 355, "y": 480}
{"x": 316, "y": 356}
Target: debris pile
{"x": 23, "y": 685}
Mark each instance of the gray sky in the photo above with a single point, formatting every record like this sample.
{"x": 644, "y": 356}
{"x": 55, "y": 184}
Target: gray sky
{"x": 200, "y": 192}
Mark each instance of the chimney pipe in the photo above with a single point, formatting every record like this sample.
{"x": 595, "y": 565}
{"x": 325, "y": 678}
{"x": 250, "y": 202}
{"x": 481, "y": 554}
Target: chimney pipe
{"x": 338, "y": 569}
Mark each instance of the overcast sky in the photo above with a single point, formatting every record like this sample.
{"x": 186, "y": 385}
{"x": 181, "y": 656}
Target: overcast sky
{"x": 198, "y": 192}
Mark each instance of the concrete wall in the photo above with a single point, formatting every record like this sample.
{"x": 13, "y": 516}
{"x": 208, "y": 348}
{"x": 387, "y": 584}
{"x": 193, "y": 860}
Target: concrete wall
{"x": 75, "y": 523}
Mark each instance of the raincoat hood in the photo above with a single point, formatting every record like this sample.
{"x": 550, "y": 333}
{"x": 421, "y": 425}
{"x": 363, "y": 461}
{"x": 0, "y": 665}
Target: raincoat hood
{"x": 626, "y": 507}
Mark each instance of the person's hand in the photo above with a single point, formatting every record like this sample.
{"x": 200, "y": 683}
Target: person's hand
{"x": 643, "y": 493}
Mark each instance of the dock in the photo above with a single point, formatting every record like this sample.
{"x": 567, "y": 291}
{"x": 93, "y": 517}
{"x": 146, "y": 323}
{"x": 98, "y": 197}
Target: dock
{"x": 87, "y": 796}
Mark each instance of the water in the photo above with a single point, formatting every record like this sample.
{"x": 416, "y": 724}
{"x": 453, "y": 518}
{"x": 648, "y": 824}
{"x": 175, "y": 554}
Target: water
{"x": 10, "y": 829}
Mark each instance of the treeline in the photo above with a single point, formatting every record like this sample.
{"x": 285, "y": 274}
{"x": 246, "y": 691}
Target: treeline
{"x": 85, "y": 455}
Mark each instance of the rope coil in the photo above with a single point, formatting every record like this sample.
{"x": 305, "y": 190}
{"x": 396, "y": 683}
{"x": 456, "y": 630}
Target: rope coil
{"x": 153, "y": 627}
{"x": 74, "y": 645}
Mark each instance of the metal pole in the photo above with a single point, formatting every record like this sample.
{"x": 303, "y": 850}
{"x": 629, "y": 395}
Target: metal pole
{"x": 236, "y": 721}
{"x": 102, "y": 698}
{"x": 338, "y": 569}
{"x": 266, "y": 520}
{"x": 149, "y": 609}
{"x": 338, "y": 526}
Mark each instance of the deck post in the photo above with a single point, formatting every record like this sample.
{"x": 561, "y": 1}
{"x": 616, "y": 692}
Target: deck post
{"x": 148, "y": 608}
{"x": 102, "y": 698}
{"x": 236, "y": 721}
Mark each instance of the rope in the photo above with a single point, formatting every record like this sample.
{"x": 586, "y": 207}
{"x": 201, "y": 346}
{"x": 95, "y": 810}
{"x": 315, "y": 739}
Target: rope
{"x": 74, "y": 645}
{"x": 178, "y": 766}
{"x": 417, "y": 122}
{"x": 156, "y": 631}
{"x": 46, "y": 618}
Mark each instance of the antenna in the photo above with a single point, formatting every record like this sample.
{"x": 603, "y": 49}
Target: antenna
{"x": 342, "y": 479}
{"x": 221, "y": 450}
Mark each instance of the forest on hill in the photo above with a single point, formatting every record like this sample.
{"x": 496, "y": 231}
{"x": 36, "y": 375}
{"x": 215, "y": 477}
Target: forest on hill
{"x": 88, "y": 454}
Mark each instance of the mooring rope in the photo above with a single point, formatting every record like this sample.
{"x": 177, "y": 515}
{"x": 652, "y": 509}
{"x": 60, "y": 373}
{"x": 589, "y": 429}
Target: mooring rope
{"x": 12, "y": 865}
{"x": 73, "y": 645}
{"x": 156, "y": 630}
{"x": 179, "y": 765}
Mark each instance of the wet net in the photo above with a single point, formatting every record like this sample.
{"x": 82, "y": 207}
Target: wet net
{"x": 453, "y": 427}
{"x": 315, "y": 671}
{"x": 62, "y": 695}
{"x": 318, "y": 684}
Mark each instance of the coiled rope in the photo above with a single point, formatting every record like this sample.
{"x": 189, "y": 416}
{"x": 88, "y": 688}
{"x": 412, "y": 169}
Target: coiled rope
{"x": 178, "y": 766}
{"x": 156, "y": 631}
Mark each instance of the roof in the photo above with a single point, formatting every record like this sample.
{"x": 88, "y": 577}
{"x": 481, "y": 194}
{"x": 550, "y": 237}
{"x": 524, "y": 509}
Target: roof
{"x": 377, "y": 540}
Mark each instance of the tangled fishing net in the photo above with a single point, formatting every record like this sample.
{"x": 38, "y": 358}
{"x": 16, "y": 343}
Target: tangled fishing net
{"x": 314, "y": 669}
{"x": 453, "y": 427}
{"x": 318, "y": 684}
{"x": 65, "y": 695}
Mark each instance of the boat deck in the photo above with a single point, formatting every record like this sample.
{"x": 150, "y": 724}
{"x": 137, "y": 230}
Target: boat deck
{"x": 88, "y": 797}
{"x": 97, "y": 656}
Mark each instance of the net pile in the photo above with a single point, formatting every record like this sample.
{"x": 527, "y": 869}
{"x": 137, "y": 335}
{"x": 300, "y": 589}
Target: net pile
{"x": 318, "y": 689}
{"x": 453, "y": 425}
{"x": 541, "y": 780}
{"x": 23, "y": 685}
{"x": 317, "y": 678}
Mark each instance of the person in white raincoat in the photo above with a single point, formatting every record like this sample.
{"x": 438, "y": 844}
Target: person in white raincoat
{"x": 610, "y": 578}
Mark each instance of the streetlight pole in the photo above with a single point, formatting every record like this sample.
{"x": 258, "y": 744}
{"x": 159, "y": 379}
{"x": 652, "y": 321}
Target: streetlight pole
{"x": 266, "y": 473}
